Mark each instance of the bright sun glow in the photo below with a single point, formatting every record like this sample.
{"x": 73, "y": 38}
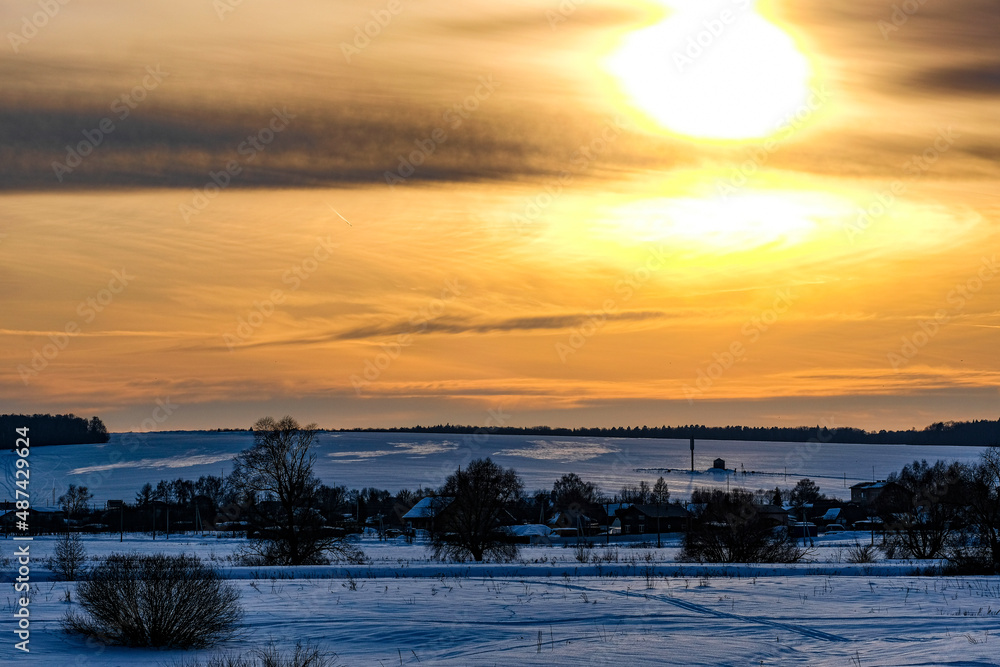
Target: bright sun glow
{"x": 713, "y": 69}
{"x": 740, "y": 222}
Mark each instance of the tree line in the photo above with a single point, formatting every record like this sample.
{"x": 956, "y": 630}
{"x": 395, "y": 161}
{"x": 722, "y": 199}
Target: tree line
{"x": 52, "y": 430}
{"x": 978, "y": 432}
{"x": 943, "y": 510}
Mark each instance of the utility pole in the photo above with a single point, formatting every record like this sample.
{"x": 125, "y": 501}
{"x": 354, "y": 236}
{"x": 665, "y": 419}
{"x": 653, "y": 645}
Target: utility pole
{"x": 692, "y": 454}
{"x": 607, "y": 521}
{"x": 658, "y": 544}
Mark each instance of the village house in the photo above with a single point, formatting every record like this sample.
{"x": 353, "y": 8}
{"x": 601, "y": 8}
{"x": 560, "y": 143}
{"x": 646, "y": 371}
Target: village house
{"x": 422, "y": 515}
{"x": 641, "y": 519}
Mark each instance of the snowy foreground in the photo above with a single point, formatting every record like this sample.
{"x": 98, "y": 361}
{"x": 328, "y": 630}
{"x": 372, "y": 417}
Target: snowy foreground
{"x": 635, "y": 607}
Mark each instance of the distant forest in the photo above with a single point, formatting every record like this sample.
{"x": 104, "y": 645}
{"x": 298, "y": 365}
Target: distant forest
{"x": 52, "y": 430}
{"x": 979, "y": 432}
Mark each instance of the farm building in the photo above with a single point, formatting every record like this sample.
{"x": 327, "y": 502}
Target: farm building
{"x": 639, "y": 519}
{"x": 866, "y": 493}
{"x": 421, "y": 516}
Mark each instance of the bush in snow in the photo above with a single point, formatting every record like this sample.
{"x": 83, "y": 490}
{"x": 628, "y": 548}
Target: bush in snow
{"x": 155, "y": 600}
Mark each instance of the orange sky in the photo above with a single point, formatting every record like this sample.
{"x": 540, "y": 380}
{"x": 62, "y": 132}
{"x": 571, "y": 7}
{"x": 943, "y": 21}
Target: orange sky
{"x": 557, "y": 255}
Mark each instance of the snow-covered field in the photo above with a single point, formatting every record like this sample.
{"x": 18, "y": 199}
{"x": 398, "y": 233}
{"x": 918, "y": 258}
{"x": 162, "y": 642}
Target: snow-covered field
{"x": 633, "y": 605}
{"x": 636, "y": 606}
{"x": 392, "y": 461}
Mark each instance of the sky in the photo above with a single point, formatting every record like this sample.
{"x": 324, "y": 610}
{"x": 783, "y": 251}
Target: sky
{"x": 387, "y": 213}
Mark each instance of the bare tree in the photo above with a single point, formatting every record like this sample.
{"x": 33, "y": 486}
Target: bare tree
{"x": 575, "y": 500}
{"x": 211, "y": 487}
{"x": 164, "y": 491}
{"x": 981, "y": 492}
{"x": 275, "y": 478}
{"x": 923, "y": 522}
{"x": 469, "y": 528}
{"x": 74, "y": 501}
{"x": 730, "y": 529}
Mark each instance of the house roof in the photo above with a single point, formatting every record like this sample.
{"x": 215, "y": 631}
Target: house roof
{"x": 573, "y": 518}
{"x": 530, "y": 530}
{"x": 770, "y": 509}
{"x": 429, "y": 507}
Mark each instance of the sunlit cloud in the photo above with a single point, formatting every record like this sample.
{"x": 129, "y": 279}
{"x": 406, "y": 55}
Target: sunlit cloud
{"x": 603, "y": 261}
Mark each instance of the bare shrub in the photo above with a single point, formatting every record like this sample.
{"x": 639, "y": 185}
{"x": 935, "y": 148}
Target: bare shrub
{"x": 302, "y": 656}
{"x": 270, "y": 656}
{"x": 155, "y": 600}
{"x": 858, "y": 553}
{"x": 69, "y": 557}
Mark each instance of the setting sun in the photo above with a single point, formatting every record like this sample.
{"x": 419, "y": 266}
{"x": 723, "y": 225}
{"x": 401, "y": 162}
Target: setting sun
{"x": 712, "y": 70}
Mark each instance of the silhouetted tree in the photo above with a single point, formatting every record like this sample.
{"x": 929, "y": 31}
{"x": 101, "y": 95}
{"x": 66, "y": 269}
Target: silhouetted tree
{"x": 981, "y": 493}
{"x": 164, "y": 492}
{"x": 730, "y": 529}
{"x": 660, "y": 493}
{"x": 74, "y": 501}
{"x": 211, "y": 487}
{"x": 469, "y": 528}
{"x": 805, "y": 492}
{"x": 276, "y": 476}
{"x": 52, "y": 430}
{"x": 927, "y": 521}
{"x": 183, "y": 491}
{"x": 145, "y": 496}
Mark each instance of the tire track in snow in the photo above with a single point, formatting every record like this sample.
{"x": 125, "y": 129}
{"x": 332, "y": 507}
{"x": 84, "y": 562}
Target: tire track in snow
{"x": 700, "y": 609}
